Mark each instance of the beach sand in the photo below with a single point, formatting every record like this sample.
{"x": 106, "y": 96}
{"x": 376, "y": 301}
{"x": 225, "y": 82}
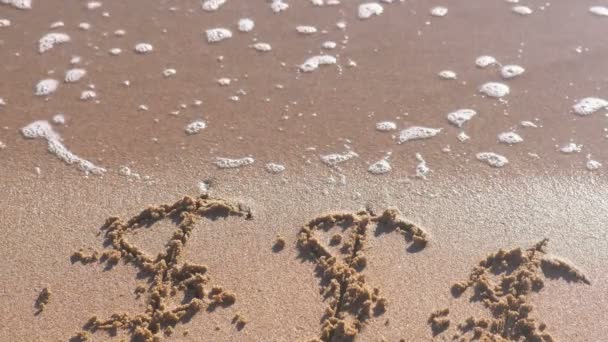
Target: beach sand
{"x": 467, "y": 208}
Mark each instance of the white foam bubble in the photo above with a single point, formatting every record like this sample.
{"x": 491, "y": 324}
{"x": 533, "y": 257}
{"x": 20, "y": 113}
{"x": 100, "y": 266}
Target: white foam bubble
{"x": 120, "y": 33}
{"x": 262, "y": 47}
{"x": 74, "y": 75}
{"x": 245, "y": 25}
{"x": 115, "y": 51}
{"x": 203, "y": 187}
{"x": 46, "y": 87}
{"x": 224, "y": 81}
{"x": 169, "y": 72}
{"x": 278, "y": 6}
{"x": 86, "y": 95}
{"x": 5, "y": 23}
{"x": 195, "y": 127}
{"x": 386, "y": 126}
{"x": 313, "y": 63}
{"x": 274, "y": 168}
{"x": 593, "y": 165}
{"x": 380, "y": 167}
{"x": 212, "y": 5}
{"x": 494, "y": 89}
{"x": 485, "y": 61}
{"x": 369, "y": 9}
{"x": 447, "y": 75}
{"x": 416, "y": 133}
{"x": 91, "y": 5}
{"x": 337, "y": 158}
{"x": 75, "y": 60}
{"x": 601, "y": 11}
{"x": 461, "y": 116}
{"x": 84, "y": 26}
{"x": 49, "y": 40}
{"x": 422, "y": 169}
{"x": 143, "y": 48}
{"x": 329, "y": 45}
{"x": 42, "y": 130}
{"x": 492, "y": 159}
{"x": 589, "y": 105}
{"x": 229, "y": 163}
{"x": 218, "y": 34}
{"x": 511, "y": 70}
{"x": 59, "y": 119}
{"x": 127, "y": 172}
{"x": 462, "y": 137}
{"x": 521, "y": 10}
{"x": 58, "y": 149}
{"x": 20, "y": 4}
{"x": 571, "y": 148}
{"x": 306, "y": 29}
{"x": 510, "y": 138}
{"x": 39, "y": 129}
{"x": 439, "y": 11}
{"x": 528, "y": 124}
{"x": 57, "y": 24}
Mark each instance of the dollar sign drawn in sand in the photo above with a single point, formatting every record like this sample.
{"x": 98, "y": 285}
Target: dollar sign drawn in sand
{"x": 168, "y": 273}
{"x": 503, "y": 282}
{"x": 351, "y": 301}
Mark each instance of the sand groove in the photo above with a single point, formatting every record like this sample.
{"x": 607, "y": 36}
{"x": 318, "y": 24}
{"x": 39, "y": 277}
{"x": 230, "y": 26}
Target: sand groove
{"x": 503, "y": 282}
{"x": 351, "y": 301}
{"x": 169, "y": 275}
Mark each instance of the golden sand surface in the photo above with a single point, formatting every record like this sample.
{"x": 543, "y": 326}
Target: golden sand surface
{"x": 120, "y": 220}
{"x": 279, "y": 290}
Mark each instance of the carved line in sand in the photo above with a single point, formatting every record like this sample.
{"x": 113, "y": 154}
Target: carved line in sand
{"x": 351, "y": 301}
{"x": 168, "y": 273}
{"x": 503, "y": 282}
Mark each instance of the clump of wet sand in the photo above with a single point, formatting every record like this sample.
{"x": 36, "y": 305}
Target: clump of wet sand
{"x": 43, "y": 300}
{"x": 279, "y": 244}
{"x": 439, "y": 321}
{"x": 240, "y": 321}
{"x": 81, "y": 336}
{"x": 85, "y": 256}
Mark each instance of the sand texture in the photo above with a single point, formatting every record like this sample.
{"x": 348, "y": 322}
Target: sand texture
{"x": 311, "y": 170}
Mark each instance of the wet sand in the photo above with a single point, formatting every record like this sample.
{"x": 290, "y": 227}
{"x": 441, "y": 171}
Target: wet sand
{"x": 468, "y": 208}
{"x": 467, "y": 220}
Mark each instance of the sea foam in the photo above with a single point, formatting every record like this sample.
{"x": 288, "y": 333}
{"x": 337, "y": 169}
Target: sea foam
{"x": 42, "y": 130}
